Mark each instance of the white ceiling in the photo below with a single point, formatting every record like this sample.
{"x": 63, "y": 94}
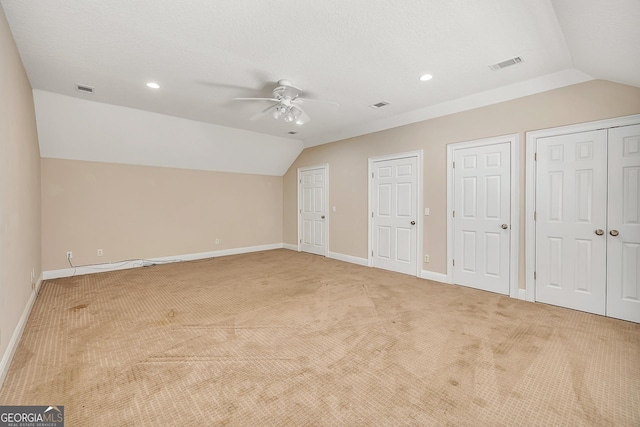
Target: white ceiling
{"x": 203, "y": 53}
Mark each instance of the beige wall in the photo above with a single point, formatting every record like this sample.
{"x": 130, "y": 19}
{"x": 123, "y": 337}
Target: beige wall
{"x": 348, "y": 159}
{"x": 145, "y": 212}
{"x": 19, "y": 188}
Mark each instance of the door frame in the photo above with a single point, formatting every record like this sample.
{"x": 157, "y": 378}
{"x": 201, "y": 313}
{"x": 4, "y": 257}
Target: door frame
{"x": 419, "y": 180}
{"x": 531, "y": 181}
{"x": 324, "y": 166}
{"x": 514, "y": 238}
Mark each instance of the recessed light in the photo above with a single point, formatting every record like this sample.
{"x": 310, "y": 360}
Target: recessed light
{"x": 425, "y": 77}
{"x": 299, "y": 122}
{"x": 153, "y": 85}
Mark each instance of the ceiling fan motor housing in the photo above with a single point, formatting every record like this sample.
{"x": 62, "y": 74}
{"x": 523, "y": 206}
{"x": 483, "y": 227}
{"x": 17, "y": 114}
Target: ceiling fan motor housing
{"x": 286, "y": 91}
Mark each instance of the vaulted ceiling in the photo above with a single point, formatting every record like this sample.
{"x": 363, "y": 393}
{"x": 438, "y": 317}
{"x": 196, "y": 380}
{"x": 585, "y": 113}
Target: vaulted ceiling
{"x": 204, "y": 53}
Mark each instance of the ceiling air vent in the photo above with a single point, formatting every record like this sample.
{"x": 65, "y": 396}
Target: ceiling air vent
{"x": 507, "y": 63}
{"x": 84, "y": 88}
{"x": 379, "y": 104}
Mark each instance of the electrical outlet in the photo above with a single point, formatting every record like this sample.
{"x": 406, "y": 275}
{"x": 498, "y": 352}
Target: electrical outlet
{"x": 69, "y": 255}
{"x": 99, "y": 252}
{"x": 217, "y": 241}
{"x": 426, "y": 258}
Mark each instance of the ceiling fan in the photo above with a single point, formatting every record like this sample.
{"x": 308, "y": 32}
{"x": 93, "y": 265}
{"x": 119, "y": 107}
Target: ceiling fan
{"x": 287, "y": 104}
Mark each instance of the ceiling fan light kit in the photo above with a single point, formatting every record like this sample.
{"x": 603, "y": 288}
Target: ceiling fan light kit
{"x": 287, "y": 104}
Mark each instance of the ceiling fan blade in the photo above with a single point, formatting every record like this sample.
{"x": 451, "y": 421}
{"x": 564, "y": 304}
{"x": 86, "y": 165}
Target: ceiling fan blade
{"x": 304, "y": 118}
{"x": 256, "y": 99}
{"x": 263, "y": 112}
{"x": 335, "y": 104}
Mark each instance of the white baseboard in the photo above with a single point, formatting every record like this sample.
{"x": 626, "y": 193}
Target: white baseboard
{"x": 101, "y": 268}
{"x": 290, "y": 247}
{"x": 91, "y": 269}
{"x": 522, "y": 294}
{"x": 348, "y": 258}
{"x": 5, "y": 363}
{"x": 39, "y": 283}
{"x": 432, "y": 275}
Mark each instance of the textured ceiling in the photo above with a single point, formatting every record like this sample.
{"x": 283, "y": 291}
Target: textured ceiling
{"x": 204, "y": 53}
{"x": 604, "y": 37}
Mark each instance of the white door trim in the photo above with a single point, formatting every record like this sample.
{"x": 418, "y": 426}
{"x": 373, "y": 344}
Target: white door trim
{"x": 514, "y": 141}
{"x": 530, "y": 201}
{"x": 418, "y": 155}
{"x": 324, "y": 166}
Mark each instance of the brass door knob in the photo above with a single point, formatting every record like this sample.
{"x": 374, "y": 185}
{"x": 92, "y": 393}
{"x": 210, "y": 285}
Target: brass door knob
{"x": 614, "y": 233}
{"x": 599, "y": 232}
{"x": 504, "y": 226}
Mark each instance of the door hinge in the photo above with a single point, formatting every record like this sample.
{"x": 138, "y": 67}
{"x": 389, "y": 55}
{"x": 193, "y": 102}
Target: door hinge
{"x": 300, "y": 210}
{"x": 534, "y": 275}
{"x": 454, "y": 214}
{"x": 454, "y": 262}
{"x": 454, "y": 165}
{"x": 371, "y": 253}
{"x": 300, "y": 240}
{"x": 535, "y": 157}
{"x": 300, "y": 180}
{"x": 371, "y": 214}
{"x": 535, "y": 215}
{"x": 371, "y": 174}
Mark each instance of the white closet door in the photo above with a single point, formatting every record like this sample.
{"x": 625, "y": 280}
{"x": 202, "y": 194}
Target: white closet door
{"x": 394, "y": 201}
{"x": 623, "y": 257}
{"x": 313, "y": 211}
{"x": 571, "y": 206}
{"x": 482, "y": 205}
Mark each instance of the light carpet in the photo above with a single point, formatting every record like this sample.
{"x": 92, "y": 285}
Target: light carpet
{"x": 283, "y": 338}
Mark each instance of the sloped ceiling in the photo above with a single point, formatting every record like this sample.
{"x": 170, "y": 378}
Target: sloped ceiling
{"x": 603, "y": 37}
{"x": 355, "y": 52}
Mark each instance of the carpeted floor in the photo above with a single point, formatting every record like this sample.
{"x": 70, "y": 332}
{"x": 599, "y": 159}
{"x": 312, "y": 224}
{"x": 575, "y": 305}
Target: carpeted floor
{"x": 284, "y": 338}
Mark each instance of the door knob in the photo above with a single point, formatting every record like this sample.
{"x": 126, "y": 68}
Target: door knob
{"x": 599, "y": 232}
{"x": 322, "y": 217}
{"x": 504, "y": 226}
{"x": 614, "y": 233}
{"x": 413, "y": 223}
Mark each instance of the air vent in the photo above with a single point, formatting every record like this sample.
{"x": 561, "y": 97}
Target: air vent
{"x": 84, "y": 88}
{"x": 379, "y": 104}
{"x": 507, "y": 63}
{"x": 292, "y": 133}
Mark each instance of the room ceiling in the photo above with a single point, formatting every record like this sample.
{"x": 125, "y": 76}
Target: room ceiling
{"x": 358, "y": 52}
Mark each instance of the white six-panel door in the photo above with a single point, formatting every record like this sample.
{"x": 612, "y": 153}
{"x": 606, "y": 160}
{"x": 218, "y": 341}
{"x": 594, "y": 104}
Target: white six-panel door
{"x": 482, "y": 206}
{"x": 312, "y": 200}
{"x": 571, "y": 210}
{"x": 623, "y": 237}
{"x": 588, "y": 221}
{"x": 394, "y": 214}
